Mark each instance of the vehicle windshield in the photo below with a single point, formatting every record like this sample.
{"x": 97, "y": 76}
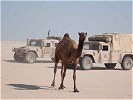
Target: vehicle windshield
{"x": 86, "y": 46}
{"x": 94, "y": 46}
{"x": 36, "y": 43}
{"x": 91, "y": 46}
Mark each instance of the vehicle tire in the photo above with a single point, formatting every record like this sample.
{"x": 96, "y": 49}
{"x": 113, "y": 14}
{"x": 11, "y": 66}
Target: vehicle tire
{"x": 86, "y": 63}
{"x": 30, "y": 57}
{"x": 18, "y": 58}
{"x": 110, "y": 65}
{"x": 70, "y": 66}
{"x": 127, "y": 63}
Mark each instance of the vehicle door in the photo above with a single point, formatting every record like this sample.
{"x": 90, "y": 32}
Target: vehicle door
{"x": 105, "y": 54}
{"x": 47, "y": 50}
{"x": 38, "y": 46}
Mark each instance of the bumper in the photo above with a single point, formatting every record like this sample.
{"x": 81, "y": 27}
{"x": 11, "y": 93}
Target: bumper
{"x": 19, "y": 51}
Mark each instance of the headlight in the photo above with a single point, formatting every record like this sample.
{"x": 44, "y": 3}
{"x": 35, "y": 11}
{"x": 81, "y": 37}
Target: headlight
{"x": 15, "y": 49}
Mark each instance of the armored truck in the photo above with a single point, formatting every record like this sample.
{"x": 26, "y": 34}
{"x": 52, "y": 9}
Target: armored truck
{"x": 35, "y": 48}
{"x": 108, "y": 49}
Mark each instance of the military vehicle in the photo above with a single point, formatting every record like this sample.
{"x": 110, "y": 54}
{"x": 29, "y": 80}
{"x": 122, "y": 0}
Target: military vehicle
{"x": 108, "y": 49}
{"x": 35, "y": 48}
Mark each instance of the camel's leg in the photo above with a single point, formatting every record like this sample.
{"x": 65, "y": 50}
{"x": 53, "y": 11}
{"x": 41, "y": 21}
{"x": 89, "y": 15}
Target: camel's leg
{"x": 64, "y": 74}
{"x": 62, "y": 68}
{"x": 74, "y": 78}
{"x": 55, "y": 70}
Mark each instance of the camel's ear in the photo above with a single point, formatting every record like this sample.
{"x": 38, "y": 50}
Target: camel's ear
{"x": 86, "y": 33}
{"x": 79, "y": 33}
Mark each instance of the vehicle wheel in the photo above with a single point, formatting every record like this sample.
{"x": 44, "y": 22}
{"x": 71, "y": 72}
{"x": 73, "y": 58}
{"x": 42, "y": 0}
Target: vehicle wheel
{"x": 86, "y": 63}
{"x": 18, "y": 58}
{"x": 70, "y": 66}
{"x": 110, "y": 65}
{"x": 127, "y": 63}
{"x": 30, "y": 57}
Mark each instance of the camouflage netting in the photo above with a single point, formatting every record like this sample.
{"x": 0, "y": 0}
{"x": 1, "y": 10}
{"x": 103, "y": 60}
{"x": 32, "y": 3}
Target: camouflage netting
{"x": 102, "y": 38}
{"x": 54, "y": 37}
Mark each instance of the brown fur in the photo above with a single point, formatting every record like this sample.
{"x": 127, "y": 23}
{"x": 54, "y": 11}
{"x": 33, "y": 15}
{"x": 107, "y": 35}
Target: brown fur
{"x": 68, "y": 52}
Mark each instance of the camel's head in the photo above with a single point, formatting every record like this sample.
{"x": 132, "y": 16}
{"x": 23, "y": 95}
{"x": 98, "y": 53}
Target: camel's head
{"x": 82, "y": 36}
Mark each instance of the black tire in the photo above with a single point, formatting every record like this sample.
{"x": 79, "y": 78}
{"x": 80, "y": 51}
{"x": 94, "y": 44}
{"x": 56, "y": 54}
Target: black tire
{"x": 127, "y": 63}
{"x": 30, "y": 57}
{"x": 110, "y": 65}
{"x": 86, "y": 63}
{"x": 70, "y": 66}
{"x": 18, "y": 58}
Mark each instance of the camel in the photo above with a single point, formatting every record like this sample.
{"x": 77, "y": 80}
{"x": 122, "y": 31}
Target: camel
{"x": 68, "y": 52}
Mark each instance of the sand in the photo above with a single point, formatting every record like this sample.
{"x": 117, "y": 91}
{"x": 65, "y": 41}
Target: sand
{"x": 32, "y": 81}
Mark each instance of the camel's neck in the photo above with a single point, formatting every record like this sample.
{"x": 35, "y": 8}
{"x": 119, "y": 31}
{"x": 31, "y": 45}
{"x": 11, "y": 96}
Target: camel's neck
{"x": 79, "y": 49}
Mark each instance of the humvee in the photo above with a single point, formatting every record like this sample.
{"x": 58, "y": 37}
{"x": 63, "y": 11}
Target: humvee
{"x": 35, "y": 48}
{"x": 108, "y": 49}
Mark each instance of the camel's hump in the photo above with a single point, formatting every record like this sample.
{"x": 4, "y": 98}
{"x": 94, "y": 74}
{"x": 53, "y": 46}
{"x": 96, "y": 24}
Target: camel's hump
{"x": 66, "y": 35}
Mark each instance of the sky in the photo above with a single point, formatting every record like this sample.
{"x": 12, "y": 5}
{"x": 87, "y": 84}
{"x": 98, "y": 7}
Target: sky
{"x": 32, "y": 19}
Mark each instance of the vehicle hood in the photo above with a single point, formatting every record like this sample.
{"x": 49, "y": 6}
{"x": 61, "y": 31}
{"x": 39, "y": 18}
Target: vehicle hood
{"x": 27, "y": 48}
{"x": 89, "y": 52}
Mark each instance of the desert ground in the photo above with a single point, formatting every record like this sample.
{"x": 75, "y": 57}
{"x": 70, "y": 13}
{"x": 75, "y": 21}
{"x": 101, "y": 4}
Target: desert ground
{"x": 33, "y": 81}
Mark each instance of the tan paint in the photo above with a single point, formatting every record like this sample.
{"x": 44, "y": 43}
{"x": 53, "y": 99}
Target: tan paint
{"x": 119, "y": 46}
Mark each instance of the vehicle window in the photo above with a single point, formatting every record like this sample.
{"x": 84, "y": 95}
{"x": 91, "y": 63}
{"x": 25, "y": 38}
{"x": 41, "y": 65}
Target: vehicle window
{"x": 47, "y": 45}
{"x": 36, "y": 43}
{"x": 56, "y": 44}
{"x": 105, "y": 48}
{"x": 32, "y": 43}
{"x": 93, "y": 46}
{"x": 86, "y": 47}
